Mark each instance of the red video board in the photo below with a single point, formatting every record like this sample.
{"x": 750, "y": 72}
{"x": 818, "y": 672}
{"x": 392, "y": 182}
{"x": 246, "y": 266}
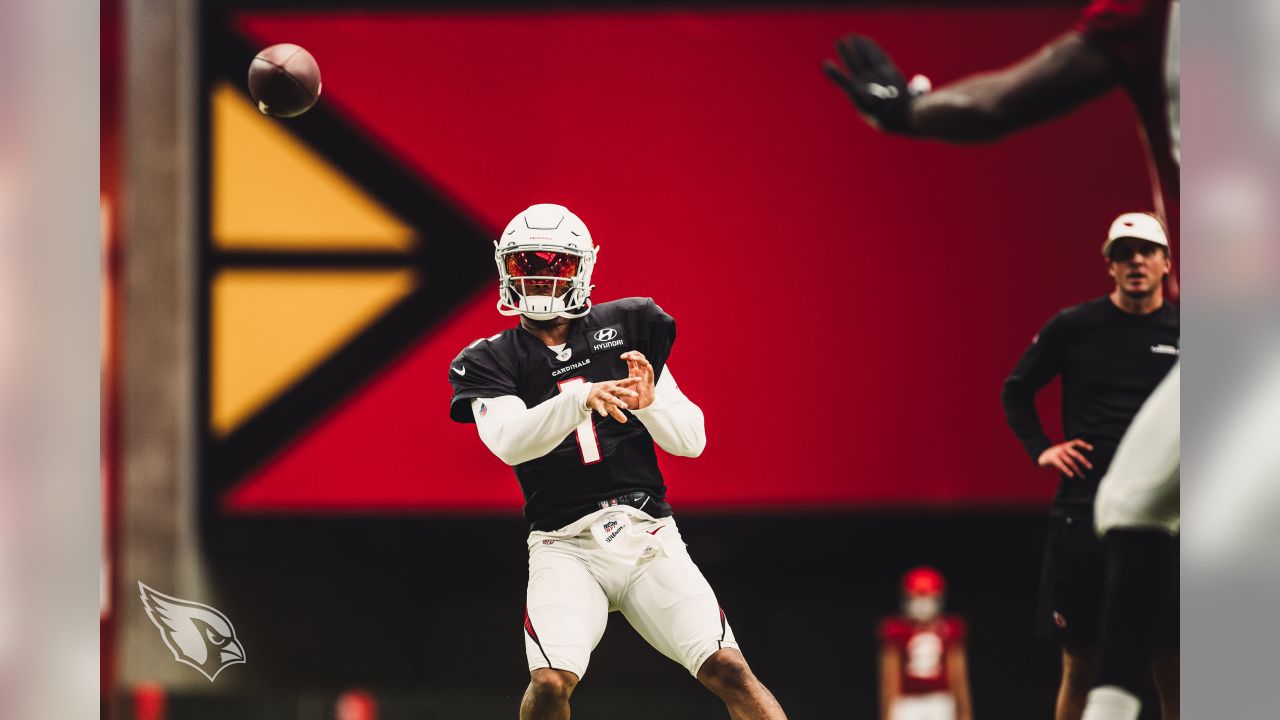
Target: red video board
{"x": 848, "y": 303}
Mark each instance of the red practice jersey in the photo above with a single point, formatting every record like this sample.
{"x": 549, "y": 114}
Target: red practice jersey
{"x": 1142, "y": 36}
{"x": 923, "y": 649}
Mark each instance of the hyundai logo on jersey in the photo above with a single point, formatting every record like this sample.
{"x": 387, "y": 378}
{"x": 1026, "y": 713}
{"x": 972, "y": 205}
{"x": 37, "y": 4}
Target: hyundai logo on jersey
{"x": 608, "y": 337}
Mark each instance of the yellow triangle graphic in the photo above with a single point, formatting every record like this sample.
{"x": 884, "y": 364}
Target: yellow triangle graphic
{"x": 271, "y": 327}
{"x": 272, "y": 192}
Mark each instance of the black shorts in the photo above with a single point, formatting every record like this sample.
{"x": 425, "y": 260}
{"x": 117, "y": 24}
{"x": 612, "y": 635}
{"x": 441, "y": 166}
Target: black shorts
{"x": 1072, "y": 583}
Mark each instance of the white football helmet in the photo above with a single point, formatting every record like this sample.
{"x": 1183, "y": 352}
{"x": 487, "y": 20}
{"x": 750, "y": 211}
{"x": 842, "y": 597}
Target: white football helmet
{"x": 545, "y": 258}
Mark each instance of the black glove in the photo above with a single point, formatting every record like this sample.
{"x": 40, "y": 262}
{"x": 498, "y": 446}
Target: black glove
{"x": 873, "y": 83}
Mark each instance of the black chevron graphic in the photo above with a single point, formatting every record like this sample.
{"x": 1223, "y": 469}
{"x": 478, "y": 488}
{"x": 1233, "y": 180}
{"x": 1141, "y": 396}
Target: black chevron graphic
{"x": 452, "y": 261}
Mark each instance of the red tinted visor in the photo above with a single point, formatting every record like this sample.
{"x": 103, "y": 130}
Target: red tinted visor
{"x": 538, "y": 263}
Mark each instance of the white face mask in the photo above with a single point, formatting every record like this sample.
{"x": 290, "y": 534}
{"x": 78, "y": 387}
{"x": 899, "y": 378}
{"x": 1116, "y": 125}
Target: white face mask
{"x": 923, "y": 608}
{"x": 541, "y": 307}
{"x": 570, "y": 295}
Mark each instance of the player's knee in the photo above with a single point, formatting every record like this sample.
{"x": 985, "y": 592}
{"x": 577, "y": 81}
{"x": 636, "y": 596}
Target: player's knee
{"x": 725, "y": 671}
{"x": 552, "y": 686}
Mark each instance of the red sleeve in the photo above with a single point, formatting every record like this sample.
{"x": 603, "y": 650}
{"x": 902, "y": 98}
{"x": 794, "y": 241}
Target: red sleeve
{"x": 893, "y": 629}
{"x": 1127, "y": 29}
{"x": 957, "y": 630}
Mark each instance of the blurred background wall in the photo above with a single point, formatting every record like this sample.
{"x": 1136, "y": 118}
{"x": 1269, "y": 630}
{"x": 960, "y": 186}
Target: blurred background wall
{"x": 848, "y": 305}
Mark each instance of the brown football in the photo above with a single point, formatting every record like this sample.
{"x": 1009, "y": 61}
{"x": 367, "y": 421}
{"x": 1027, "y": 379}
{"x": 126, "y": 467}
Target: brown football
{"x": 284, "y": 80}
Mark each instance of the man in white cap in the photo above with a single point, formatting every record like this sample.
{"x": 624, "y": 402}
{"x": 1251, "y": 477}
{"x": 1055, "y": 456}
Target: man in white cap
{"x": 1111, "y": 353}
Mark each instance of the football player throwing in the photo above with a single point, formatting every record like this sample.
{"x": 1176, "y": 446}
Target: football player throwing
{"x": 574, "y": 398}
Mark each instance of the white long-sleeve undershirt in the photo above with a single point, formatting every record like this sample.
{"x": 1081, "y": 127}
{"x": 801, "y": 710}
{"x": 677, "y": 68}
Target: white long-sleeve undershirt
{"x": 517, "y": 434}
{"x": 674, "y": 421}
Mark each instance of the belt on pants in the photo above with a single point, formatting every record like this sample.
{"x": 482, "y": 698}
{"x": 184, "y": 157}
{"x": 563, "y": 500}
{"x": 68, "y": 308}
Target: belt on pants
{"x": 638, "y": 499}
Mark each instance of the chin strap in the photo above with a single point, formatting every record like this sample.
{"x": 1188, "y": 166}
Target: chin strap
{"x": 576, "y": 314}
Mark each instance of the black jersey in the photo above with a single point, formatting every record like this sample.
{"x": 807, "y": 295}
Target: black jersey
{"x": 569, "y": 482}
{"x": 1110, "y": 362}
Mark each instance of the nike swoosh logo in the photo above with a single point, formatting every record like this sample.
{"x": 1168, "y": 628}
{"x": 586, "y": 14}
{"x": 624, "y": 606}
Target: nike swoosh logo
{"x": 655, "y": 530}
{"x": 463, "y": 371}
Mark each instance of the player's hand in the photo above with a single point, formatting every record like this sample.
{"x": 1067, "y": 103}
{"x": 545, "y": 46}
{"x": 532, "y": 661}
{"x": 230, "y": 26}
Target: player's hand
{"x": 610, "y": 397}
{"x": 1067, "y": 457}
{"x": 638, "y": 367}
{"x": 873, "y": 83}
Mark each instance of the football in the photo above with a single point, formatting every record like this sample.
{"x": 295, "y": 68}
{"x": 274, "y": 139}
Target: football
{"x": 284, "y": 80}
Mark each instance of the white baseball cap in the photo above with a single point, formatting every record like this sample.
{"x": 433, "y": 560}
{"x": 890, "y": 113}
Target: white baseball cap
{"x": 1140, "y": 225}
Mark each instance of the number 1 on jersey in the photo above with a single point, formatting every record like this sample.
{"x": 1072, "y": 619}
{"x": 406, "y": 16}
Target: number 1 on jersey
{"x": 586, "y": 432}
